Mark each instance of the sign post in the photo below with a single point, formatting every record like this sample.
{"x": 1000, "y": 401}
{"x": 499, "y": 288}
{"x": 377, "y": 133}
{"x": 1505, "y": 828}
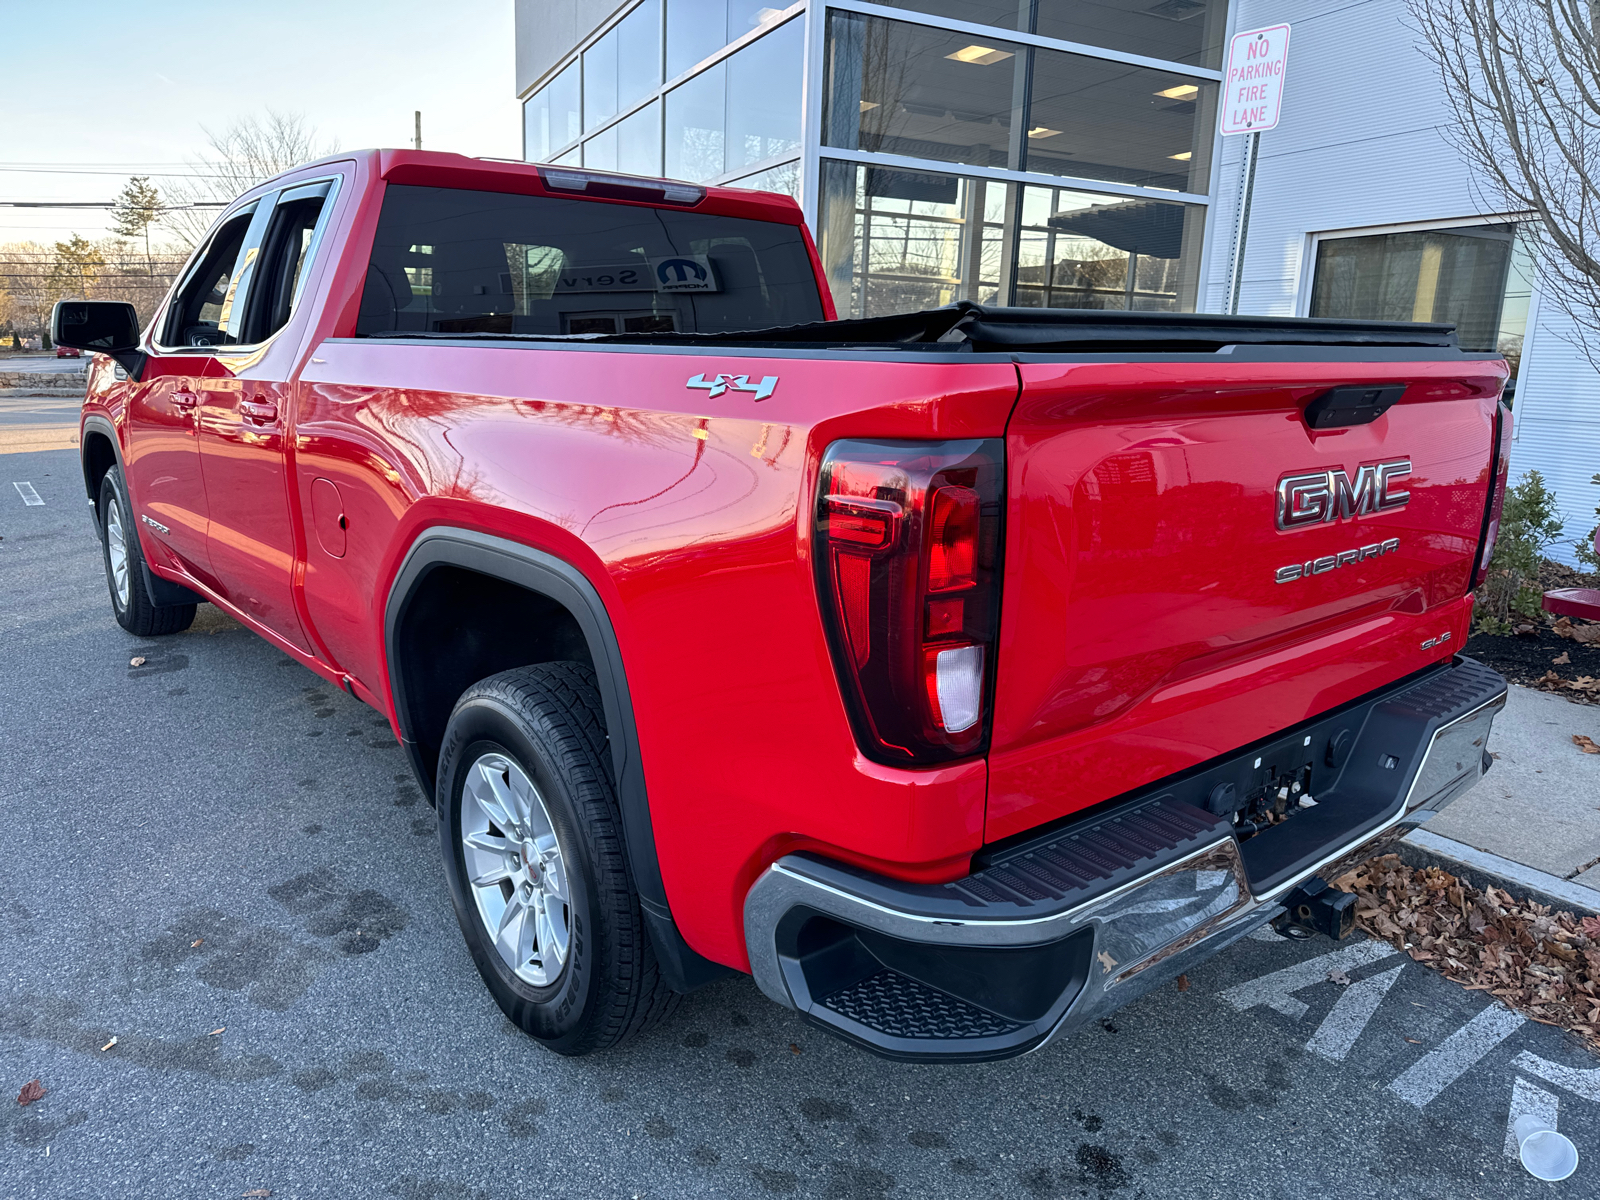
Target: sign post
{"x": 1252, "y": 101}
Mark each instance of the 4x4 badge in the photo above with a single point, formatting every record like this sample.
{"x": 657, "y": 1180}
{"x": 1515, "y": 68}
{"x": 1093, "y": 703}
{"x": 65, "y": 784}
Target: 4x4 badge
{"x": 720, "y": 383}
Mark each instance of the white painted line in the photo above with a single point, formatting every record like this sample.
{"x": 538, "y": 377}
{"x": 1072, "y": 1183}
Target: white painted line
{"x": 1351, "y": 1012}
{"x": 1273, "y": 990}
{"x": 1529, "y": 1100}
{"x": 1579, "y": 1083}
{"x": 29, "y": 497}
{"x": 1450, "y": 1059}
{"x": 1566, "y": 891}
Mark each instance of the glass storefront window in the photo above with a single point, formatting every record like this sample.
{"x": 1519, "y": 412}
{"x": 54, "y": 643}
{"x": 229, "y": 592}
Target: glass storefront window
{"x": 551, "y": 116}
{"x": 895, "y": 88}
{"x": 900, "y": 241}
{"x": 694, "y": 119}
{"x": 764, "y": 97}
{"x": 785, "y": 178}
{"x": 624, "y": 66}
{"x": 1184, "y": 31}
{"x": 1097, "y": 119}
{"x": 742, "y": 111}
{"x": 697, "y": 29}
{"x": 1083, "y": 250}
{"x": 1458, "y": 275}
{"x": 639, "y": 141}
{"x": 638, "y": 54}
{"x": 600, "y": 151}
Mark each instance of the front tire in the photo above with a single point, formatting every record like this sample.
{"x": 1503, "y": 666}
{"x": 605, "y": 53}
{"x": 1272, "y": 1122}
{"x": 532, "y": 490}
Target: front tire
{"x": 533, "y": 852}
{"x": 125, "y": 569}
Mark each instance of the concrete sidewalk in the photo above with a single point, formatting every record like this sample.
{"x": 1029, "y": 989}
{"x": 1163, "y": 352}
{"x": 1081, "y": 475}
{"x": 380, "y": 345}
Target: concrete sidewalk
{"x": 1532, "y": 825}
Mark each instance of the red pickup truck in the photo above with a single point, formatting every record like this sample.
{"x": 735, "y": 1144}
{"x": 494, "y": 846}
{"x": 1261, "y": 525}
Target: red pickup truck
{"x": 960, "y": 675}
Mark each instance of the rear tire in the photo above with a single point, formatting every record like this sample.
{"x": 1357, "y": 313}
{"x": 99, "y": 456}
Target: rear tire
{"x": 531, "y": 838}
{"x": 125, "y": 569}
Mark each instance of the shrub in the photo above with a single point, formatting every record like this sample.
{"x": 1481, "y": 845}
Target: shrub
{"x": 1585, "y": 548}
{"x": 1528, "y": 527}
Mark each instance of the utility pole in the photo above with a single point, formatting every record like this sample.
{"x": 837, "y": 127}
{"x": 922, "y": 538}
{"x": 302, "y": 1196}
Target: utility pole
{"x": 417, "y": 140}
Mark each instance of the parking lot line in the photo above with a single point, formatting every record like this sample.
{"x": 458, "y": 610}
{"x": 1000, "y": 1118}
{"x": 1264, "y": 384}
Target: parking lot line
{"x": 1350, "y": 1014}
{"x": 1450, "y": 1059}
{"x": 1578, "y": 1082}
{"x": 1529, "y": 1099}
{"x": 29, "y": 497}
{"x": 1273, "y": 990}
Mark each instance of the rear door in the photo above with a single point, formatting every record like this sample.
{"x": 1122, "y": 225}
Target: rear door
{"x": 244, "y": 414}
{"x": 1191, "y": 566}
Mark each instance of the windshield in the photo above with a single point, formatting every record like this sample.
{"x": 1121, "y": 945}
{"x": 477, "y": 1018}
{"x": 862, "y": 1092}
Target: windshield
{"x": 446, "y": 260}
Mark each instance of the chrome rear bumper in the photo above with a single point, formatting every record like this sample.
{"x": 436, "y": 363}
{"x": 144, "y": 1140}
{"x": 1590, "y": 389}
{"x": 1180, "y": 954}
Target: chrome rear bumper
{"x": 1074, "y": 924}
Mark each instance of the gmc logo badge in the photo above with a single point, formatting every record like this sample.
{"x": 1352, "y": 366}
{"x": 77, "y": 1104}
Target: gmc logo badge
{"x": 1318, "y": 497}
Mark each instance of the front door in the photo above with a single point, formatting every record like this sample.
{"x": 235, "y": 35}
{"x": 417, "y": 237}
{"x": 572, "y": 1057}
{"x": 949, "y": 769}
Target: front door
{"x": 244, "y": 417}
{"x": 162, "y": 459}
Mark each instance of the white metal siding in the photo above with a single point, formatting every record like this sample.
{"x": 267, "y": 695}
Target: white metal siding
{"x": 1361, "y": 144}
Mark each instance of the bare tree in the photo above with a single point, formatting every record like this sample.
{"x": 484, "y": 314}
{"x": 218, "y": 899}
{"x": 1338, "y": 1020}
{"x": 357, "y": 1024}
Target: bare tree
{"x": 240, "y": 156}
{"x": 1522, "y": 78}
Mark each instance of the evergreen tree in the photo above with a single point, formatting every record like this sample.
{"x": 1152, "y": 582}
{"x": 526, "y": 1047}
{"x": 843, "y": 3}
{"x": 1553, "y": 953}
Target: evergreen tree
{"x": 138, "y": 208}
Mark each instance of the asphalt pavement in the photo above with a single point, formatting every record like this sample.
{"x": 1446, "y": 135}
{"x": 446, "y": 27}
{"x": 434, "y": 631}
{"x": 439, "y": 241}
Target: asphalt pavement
{"x": 227, "y": 953}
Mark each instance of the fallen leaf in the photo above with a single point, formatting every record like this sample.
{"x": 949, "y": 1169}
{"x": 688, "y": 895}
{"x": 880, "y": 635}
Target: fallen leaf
{"x": 137, "y": 661}
{"x": 1414, "y": 1041}
{"x": 793, "y": 1048}
{"x": 108, "y": 1045}
{"x": 195, "y": 943}
{"x": 1183, "y": 983}
{"x": 1586, "y": 635}
{"x": 1106, "y": 961}
{"x": 1522, "y": 630}
{"x": 1340, "y": 978}
{"x": 217, "y": 1030}
{"x": 1563, "y": 659}
{"x": 1562, "y": 628}
{"x": 31, "y": 1091}
{"x": 1585, "y": 743}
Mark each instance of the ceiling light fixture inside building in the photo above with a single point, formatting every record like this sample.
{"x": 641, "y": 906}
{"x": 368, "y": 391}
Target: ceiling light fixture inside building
{"x": 1184, "y": 157}
{"x": 1184, "y": 91}
{"x": 981, "y": 56}
{"x": 1039, "y": 131}
{"x": 868, "y": 105}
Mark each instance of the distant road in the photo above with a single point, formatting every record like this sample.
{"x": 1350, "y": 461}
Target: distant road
{"x": 41, "y": 362}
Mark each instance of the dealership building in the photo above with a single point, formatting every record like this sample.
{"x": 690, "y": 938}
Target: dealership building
{"x": 1064, "y": 153}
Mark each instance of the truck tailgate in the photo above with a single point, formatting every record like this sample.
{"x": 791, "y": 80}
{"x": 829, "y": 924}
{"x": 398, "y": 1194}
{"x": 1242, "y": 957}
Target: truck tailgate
{"x": 1155, "y": 615}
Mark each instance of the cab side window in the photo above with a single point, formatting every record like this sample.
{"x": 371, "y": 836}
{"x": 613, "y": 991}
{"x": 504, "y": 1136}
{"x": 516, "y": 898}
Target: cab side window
{"x": 200, "y": 313}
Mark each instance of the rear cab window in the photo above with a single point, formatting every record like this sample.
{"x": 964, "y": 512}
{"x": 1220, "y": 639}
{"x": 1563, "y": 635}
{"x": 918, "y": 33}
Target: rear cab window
{"x": 452, "y": 261}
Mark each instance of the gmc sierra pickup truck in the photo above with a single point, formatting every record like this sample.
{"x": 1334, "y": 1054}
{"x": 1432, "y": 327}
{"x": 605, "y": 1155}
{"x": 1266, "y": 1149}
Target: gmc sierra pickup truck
{"x": 960, "y": 675}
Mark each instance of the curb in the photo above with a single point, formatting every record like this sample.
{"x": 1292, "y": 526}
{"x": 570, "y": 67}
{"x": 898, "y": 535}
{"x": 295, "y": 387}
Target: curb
{"x": 1480, "y": 868}
{"x": 76, "y": 393}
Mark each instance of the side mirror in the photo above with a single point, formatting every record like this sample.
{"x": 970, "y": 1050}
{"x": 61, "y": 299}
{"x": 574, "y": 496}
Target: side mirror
{"x": 108, "y": 326}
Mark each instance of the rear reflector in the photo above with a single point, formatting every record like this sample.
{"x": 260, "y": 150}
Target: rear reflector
{"x": 1500, "y": 466}
{"x": 907, "y": 546}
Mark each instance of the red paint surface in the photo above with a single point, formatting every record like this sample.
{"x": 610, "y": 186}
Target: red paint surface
{"x": 1141, "y": 631}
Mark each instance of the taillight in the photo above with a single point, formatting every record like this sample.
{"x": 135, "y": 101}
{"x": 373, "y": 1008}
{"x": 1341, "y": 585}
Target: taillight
{"x": 907, "y": 548}
{"x": 1497, "y": 495}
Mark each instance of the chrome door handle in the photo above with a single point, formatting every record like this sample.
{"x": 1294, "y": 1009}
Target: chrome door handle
{"x": 258, "y": 412}
{"x": 184, "y": 400}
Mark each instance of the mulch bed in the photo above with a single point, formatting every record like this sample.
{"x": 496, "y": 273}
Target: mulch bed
{"x": 1544, "y": 964}
{"x": 1530, "y": 659}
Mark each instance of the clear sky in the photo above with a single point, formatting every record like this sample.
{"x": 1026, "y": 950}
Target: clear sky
{"x": 105, "y": 90}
